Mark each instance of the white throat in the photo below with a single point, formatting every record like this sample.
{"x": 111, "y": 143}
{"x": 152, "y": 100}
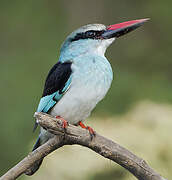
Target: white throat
{"x": 100, "y": 49}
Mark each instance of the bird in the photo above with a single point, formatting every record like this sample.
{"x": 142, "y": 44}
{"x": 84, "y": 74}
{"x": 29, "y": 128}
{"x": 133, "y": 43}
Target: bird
{"x": 81, "y": 77}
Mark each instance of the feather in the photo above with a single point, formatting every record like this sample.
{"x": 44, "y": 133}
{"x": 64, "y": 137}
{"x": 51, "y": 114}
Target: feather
{"x": 57, "y": 83}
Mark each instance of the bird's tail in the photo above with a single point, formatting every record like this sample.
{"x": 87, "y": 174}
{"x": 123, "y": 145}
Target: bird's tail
{"x": 44, "y": 136}
{"x": 38, "y": 163}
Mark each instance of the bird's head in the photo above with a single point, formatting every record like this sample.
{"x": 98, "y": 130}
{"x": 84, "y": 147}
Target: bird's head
{"x": 95, "y": 38}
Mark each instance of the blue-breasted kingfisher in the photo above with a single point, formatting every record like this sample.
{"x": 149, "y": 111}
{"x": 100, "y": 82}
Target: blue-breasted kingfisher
{"x": 81, "y": 77}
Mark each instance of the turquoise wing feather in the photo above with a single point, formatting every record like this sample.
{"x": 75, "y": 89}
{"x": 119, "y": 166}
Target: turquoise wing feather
{"x": 57, "y": 83}
{"x": 48, "y": 102}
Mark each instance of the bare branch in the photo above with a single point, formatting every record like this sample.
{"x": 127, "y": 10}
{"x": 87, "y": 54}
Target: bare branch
{"x": 76, "y": 135}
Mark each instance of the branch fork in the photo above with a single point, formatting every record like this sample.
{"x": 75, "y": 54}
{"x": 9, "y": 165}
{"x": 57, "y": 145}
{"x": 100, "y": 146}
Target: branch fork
{"x": 76, "y": 135}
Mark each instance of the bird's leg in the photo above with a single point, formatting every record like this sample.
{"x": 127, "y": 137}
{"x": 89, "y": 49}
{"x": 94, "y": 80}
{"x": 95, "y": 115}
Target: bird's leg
{"x": 82, "y": 125}
{"x": 91, "y": 131}
{"x": 64, "y": 122}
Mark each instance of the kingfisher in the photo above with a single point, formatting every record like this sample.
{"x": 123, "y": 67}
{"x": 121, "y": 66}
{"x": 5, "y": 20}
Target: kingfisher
{"x": 81, "y": 77}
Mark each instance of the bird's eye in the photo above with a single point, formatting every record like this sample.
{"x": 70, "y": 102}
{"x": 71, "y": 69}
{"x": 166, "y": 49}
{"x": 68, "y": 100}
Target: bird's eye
{"x": 90, "y": 33}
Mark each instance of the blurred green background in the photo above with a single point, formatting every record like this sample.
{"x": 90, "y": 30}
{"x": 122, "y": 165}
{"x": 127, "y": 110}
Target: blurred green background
{"x": 138, "y": 108}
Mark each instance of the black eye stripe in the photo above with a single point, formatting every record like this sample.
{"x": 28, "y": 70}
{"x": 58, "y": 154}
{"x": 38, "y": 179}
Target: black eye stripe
{"x": 88, "y": 35}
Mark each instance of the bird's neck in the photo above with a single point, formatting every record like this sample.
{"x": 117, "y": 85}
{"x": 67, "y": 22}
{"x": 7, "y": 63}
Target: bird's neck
{"x": 74, "y": 55}
{"x": 70, "y": 52}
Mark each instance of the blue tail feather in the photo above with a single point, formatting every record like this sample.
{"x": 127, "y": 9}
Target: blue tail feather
{"x": 38, "y": 163}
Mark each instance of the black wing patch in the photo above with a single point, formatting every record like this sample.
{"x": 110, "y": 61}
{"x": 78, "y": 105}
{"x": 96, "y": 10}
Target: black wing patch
{"x": 57, "y": 77}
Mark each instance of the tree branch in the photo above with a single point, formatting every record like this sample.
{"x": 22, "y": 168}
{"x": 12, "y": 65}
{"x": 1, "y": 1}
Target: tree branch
{"x": 76, "y": 135}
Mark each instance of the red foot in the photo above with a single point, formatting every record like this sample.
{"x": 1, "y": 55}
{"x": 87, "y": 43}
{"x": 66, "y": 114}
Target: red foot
{"x": 82, "y": 125}
{"x": 91, "y": 131}
{"x": 64, "y": 122}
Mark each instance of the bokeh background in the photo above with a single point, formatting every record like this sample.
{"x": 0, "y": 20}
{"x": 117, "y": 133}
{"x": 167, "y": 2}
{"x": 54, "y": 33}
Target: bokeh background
{"x": 136, "y": 112}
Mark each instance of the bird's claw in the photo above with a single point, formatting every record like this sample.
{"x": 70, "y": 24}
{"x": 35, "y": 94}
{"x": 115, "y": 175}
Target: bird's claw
{"x": 64, "y": 122}
{"x": 91, "y": 131}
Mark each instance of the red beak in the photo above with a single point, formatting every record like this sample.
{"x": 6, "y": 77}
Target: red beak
{"x": 117, "y": 30}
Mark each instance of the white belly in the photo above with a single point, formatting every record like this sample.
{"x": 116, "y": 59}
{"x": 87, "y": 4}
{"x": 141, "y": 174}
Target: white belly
{"x": 87, "y": 88}
{"x": 77, "y": 104}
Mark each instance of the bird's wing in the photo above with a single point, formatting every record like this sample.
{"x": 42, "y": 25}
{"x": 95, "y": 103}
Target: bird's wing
{"x": 56, "y": 84}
